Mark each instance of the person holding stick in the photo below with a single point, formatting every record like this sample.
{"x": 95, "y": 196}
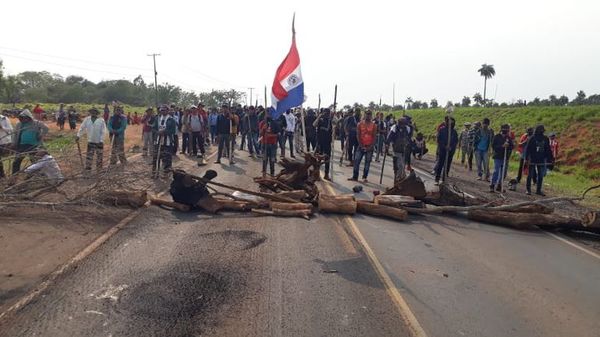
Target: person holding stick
{"x": 166, "y": 128}
{"x": 116, "y": 129}
{"x": 366, "y": 134}
{"x": 399, "y": 138}
{"x": 350, "y": 128}
{"x": 223, "y": 132}
{"x": 252, "y": 121}
{"x": 269, "y": 134}
{"x": 502, "y": 145}
{"x": 95, "y": 129}
{"x": 447, "y": 140}
{"x": 324, "y": 127}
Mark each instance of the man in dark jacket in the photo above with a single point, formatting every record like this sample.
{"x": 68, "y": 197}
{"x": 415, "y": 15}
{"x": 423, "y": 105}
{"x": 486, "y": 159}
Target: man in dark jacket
{"x": 223, "y": 132}
{"x": 324, "y": 127}
{"x": 538, "y": 154}
{"x": 446, "y": 149}
{"x": 399, "y": 138}
{"x": 350, "y": 128}
{"x": 311, "y": 135}
{"x": 252, "y": 134}
{"x": 502, "y": 145}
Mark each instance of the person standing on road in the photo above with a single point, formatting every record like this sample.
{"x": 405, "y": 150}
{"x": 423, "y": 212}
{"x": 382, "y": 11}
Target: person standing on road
{"x": 223, "y": 132}
{"x": 147, "y": 134}
{"x": 366, "y": 134}
{"x": 235, "y": 129}
{"x": 166, "y": 128}
{"x": 324, "y": 127}
{"x": 502, "y": 145}
{"x": 117, "y": 124}
{"x": 106, "y": 115}
{"x": 269, "y": 132}
{"x": 28, "y": 136}
{"x": 6, "y": 130}
{"x": 553, "y": 145}
{"x": 446, "y": 150}
{"x": 522, "y": 150}
{"x": 38, "y": 112}
{"x": 400, "y": 140}
{"x": 186, "y": 147}
{"x": 310, "y": 133}
{"x": 95, "y": 129}
{"x": 252, "y": 121}
{"x": 212, "y": 121}
{"x": 538, "y": 155}
{"x": 463, "y": 142}
{"x": 195, "y": 126}
{"x": 350, "y": 126}
{"x": 290, "y": 128}
{"x": 381, "y": 135}
{"x": 482, "y": 143}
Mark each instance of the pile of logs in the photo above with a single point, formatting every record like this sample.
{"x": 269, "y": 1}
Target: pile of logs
{"x": 296, "y": 175}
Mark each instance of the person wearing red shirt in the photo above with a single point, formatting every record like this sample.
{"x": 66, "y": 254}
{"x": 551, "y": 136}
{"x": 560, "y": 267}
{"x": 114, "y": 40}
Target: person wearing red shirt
{"x": 269, "y": 133}
{"x": 38, "y": 112}
{"x": 554, "y": 145}
{"x": 366, "y": 133}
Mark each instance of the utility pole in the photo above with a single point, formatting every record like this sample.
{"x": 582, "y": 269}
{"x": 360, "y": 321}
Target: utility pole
{"x": 251, "y": 95}
{"x": 394, "y": 96}
{"x": 154, "y": 55}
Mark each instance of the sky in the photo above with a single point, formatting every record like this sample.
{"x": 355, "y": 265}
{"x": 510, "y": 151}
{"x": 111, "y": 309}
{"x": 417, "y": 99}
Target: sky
{"x": 426, "y": 49}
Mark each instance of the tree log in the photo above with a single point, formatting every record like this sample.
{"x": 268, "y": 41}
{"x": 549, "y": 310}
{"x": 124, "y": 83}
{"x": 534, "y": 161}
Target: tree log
{"x": 133, "y": 199}
{"x": 397, "y": 201}
{"x": 337, "y": 204}
{"x": 451, "y": 195}
{"x": 523, "y": 220}
{"x": 533, "y": 208}
{"x": 295, "y": 194}
{"x": 370, "y": 208}
{"x": 234, "y": 205}
{"x": 591, "y": 219}
{"x": 172, "y": 204}
{"x": 291, "y": 206}
{"x": 302, "y": 213}
{"x": 412, "y": 186}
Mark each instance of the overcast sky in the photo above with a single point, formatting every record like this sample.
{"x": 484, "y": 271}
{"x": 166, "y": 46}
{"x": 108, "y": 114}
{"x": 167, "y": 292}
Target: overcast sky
{"x": 429, "y": 49}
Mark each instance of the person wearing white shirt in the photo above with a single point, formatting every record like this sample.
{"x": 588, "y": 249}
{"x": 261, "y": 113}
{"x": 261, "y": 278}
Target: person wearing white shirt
{"x": 6, "y": 131}
{"x": 46, "y": 166}
{"x": 95, "y": 129}
{"x": 290, "y": 128}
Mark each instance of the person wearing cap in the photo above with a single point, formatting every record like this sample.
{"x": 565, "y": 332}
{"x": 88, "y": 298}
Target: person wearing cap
{"x": 165, "y": 127}
{"x": 366, "y": 134}
{"x": 28, "y": 136}
{"x": 538, "y": 155}
{"x": 6, "y": 130}
{"x": 463, "y": 142}
{"x": 502, "y": 146}
{"x": 324, "y": 131}
{"x": 147, "y": 134}
{"x": 95, "y": 129}
{"x": 399, "y": 138}
{"x": 117, "y": 123}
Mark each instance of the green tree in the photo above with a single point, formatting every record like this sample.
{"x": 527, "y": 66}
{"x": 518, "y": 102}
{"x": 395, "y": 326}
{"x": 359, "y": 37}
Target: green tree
{"x": 466, "y": 101}
{"x": 478, "y": 99}
{"x": 433, "y": 103}
{"x": 487, "y": 71}
{"x": 13, "y": 90}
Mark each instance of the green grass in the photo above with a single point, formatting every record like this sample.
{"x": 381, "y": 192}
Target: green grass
{"x": 81, "y": 108}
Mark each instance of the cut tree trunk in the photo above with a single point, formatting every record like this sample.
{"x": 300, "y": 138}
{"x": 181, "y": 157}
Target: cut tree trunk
{"x": 345, "y": 204}
{"x": 234, "y": 205}
{"x": 591, "y": 219}
{"x": 295, "y": 194}
{"x": 172, "y": 204}
{"x": 291, "y": 206}
{"x": 397, "y": 201}
{"x": 412, "y": 186}
{"x": 302, "y": 213}
{"x": 523, "y": 220}
{"x": 370, "y": 208}
{"x": 450, "y": 195}
{"x": 133, "y": 199}
{"x": 533, "y": 208}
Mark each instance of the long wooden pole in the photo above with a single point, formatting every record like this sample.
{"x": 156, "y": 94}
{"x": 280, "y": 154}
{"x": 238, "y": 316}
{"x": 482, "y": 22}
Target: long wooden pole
{"x": 331, "y": 130}
{"x": 264, "y": 171}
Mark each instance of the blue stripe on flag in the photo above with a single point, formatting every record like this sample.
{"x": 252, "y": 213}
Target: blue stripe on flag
{"x": 295, "y": 98}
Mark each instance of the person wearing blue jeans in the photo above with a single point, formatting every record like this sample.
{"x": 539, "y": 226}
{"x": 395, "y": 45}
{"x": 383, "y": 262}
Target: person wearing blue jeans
{"x": 366, "y": 137}
{"x": 482, "y": 142}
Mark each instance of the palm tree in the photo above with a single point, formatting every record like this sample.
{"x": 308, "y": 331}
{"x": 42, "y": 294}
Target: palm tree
{"x": 487, "y": 71}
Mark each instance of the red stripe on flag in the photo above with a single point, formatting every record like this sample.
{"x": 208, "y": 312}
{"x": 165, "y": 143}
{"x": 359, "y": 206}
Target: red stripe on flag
{"x": 289, "y": 64}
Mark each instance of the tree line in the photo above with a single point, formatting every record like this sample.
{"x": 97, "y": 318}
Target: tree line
{"x": 42, "y": 86}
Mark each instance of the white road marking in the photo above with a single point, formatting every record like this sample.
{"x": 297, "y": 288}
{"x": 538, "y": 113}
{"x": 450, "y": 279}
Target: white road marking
{"x": 112, "y": 292}
{"x": 95, "y": 312}
{"x": 574, "y": 245}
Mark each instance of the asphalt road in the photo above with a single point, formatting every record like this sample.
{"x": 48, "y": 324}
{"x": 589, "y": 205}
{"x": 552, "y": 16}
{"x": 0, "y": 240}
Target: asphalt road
{"x": 173, "y": 274}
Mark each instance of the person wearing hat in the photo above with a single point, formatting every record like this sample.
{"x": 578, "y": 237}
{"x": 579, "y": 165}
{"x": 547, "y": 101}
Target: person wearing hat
{"x": 538, "y": 154}
{"x": 165, "y": 127}
{"x": 117, "y": 123}
{"x": 463, "y": 142}
{"x": 28, "y": 136}
{"x": 147, "y": 134}
{"x": 95, "y": 129}
{"x": 366, "y": 135}
{"x": 6, "y": 130}
{"x": 502, "y": 146}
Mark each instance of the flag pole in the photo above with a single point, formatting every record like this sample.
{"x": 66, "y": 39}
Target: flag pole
{"x": 264, "y": 170}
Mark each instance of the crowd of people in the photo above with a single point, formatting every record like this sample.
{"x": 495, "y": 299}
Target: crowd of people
{"x": 362, "y": 136}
